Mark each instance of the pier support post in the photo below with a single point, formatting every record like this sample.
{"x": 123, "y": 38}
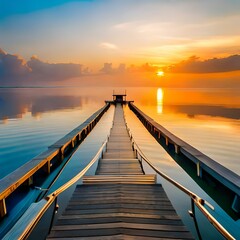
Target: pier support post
{"x": 3, "y": 208}
{"x": 47, "y": 167}
{"x": 28, "y": 181}
{"x": 236, "y": 204}
{"x": 61, "y": 154}
{"x": 72, "y": 143}
{"x": 199, "y": 170}
{"x": 166, "y": 140}
{"x": 177, "y": 148}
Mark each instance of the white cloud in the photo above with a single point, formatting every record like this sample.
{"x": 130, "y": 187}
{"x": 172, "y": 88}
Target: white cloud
{"x": 108, "y": 45}
{"x": 126, "y": 25}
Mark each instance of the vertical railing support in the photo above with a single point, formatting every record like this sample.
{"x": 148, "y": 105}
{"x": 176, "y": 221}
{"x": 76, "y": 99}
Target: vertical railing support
{"x": 199, "y": 170}
{"x": 3, "y": 208}
{"x": 192, "y": 214}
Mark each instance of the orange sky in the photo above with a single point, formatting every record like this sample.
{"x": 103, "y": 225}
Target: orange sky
{"x": 125, "y": 33}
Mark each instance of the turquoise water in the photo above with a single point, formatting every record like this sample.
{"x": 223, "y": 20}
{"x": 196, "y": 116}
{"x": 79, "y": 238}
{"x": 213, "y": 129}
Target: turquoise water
{"x": 32, "y": 119}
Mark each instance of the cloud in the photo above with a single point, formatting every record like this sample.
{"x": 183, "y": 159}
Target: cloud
{"x": 107, "y": 45}
{"x": 12, "y": 66}
{"x": 14, "y": 70}
{"x": 146, "y": 67}
{"x": 126, "y": 25}
{"x": 108, "y": 68}
{"x": 52, "y": 71}
{"x": 194, "y": 65}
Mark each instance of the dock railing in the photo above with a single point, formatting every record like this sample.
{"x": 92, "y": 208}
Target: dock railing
{"x": 195, "y": 199}
{"x": 25, "y": 225}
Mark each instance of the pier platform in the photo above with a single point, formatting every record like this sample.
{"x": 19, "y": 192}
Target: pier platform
{"x": 120, "y": 201}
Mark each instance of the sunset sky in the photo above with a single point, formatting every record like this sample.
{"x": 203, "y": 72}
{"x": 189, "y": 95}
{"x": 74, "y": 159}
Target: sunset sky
{"x": 121, "y": 33}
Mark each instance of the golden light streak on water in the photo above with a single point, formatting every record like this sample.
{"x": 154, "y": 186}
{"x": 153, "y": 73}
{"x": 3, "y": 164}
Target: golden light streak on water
{"x": 160, "y": 95}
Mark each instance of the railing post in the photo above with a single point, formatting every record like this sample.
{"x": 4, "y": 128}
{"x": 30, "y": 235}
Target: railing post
{"x": 177, "y": 148}
{"x": 192, "y": 214}
{"x": 47, "y": 167}
{"x": 29, "y": 181}
{"x": 136, "y": 153}
{"x": 3, "y": 208}
{"x": 72, "y": 143}
{"x": 61, "y": 152}
{"x": 236, "y": 204}
{"x": 199, "y": 170}
{"x": 55, "y": 209}
{"x": 166, "y": 140}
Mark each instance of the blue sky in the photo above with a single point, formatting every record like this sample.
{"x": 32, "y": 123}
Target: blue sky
{"x": 120, "y": 31}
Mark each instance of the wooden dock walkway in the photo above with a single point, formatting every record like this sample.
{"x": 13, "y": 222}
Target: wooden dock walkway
{"x": 119, "y": 202}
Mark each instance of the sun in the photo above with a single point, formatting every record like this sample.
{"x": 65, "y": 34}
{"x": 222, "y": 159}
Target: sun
{"x": 160, "y": 73}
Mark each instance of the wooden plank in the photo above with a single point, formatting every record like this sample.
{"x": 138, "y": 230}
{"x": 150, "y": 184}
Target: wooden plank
{"x": 128, "y": 215}
{"x": 81, "y": 201}
{"x": 117, "y": 155}
{"x": 115, "y": 231}
{"x": 120, "y": 204}
{"x": 119, "y": 178}
{"x": 159, "y": 227}
{"x": 124, "y": 166}
{"x": 88, "y": 221}
{"x": 119, "y": 161}
{"x": 118, "y": 196}
{"x": 121, "y": 171}
{"x": 115, "y": 237}
{"x": 117, "y": 210}
{"x": 124, "y": 202}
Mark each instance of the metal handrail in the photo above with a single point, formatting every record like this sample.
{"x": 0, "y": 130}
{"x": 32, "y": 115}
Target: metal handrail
{"x": 46, "y": 202}
{"x": 199, "y": 202}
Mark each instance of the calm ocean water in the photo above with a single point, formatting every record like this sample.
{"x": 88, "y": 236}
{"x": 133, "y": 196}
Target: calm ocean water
{"x": 31, "y": 119}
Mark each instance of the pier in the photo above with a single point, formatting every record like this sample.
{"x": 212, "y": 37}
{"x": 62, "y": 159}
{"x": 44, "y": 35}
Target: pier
{"x": 120, "y": 201}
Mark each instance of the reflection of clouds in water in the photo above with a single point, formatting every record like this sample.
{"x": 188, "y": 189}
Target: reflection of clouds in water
{"x": 213, "y": 111}
{"x": 14, "y": 104}
{"x": 50, "y": 103}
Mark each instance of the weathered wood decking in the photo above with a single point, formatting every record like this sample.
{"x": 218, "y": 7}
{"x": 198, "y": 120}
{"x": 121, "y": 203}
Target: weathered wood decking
{"x": 119, "y": 202}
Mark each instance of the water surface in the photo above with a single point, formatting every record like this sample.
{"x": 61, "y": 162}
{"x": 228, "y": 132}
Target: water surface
{"x": 209, "y": 119}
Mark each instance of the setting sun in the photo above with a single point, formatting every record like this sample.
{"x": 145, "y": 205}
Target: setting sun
{"x": 160, "y": 73}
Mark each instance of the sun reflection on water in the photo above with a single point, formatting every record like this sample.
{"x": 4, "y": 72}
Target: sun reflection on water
{"x": 160, "y": 100}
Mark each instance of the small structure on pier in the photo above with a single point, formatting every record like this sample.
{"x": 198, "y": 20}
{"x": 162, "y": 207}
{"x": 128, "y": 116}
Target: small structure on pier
{"x": 119, "y": 98}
